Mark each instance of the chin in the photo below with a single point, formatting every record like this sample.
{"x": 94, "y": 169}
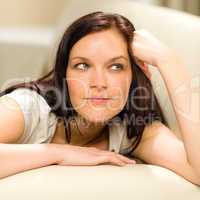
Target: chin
{"x": 100, "y": 117}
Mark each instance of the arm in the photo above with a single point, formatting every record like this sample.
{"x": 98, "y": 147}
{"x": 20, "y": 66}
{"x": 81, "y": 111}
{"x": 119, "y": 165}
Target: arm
{"x": 185, "y": 104}
{"x": 159, "y": 146}
{"x": 15, "y": 158}
{"x": 176, "y": 77}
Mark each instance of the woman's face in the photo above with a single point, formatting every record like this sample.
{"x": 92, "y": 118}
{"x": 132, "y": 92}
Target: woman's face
{"x": 99, "y": 75}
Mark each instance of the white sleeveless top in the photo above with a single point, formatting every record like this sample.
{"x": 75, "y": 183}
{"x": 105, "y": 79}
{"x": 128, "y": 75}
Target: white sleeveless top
{"x": 40, "y": 122}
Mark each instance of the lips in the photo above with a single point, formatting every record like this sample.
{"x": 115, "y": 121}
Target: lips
{"x": 99, "y": 100}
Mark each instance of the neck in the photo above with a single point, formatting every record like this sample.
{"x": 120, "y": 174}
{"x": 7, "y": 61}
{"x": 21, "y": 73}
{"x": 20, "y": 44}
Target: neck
{"x": 89, "y": 131}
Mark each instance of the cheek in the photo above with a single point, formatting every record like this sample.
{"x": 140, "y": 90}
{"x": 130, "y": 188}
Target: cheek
{"x": 77, "y": 89}
{"x": 120, "y": 88}
{"x": 77, "y": 83}
{"x": 76, "y": 93}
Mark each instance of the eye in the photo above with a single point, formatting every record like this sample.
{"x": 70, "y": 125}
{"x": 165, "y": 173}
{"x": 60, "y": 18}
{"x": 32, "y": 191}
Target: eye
{"x": 117, "y": 66}
{"x": 81, "y": 66}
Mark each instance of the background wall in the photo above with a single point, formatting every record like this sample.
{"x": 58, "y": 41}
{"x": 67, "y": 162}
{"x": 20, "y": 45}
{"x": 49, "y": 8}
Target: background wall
{"x": 191, "y": 6}
{"x": 29, "y": 12}
{"x": 22, "y": 13}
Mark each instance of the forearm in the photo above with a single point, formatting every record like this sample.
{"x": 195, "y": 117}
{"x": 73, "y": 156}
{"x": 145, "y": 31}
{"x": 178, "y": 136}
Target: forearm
{"x": 186, "y": 106}
{"x": 15, "y": 158}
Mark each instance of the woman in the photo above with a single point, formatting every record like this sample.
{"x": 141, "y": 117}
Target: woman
{"x": 99, "y": 99}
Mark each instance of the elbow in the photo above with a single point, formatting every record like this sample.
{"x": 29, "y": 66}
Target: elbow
{"x": 197, "y": 182}
{"x": 196, "y": 178}
{"x": 193, "y": 171}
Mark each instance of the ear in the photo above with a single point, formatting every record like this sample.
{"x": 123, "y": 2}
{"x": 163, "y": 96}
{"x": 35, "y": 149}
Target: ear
{"x": 144, "y": 67}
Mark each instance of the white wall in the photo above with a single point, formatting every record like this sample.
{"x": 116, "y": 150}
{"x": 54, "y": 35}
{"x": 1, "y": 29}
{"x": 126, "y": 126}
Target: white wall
{"x": 22, "y": 13}
{"x": 191, "y": 6}
{"x": 157, "y": 2}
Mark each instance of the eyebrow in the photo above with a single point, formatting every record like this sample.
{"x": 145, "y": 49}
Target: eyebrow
{"x": 112, "y": 59}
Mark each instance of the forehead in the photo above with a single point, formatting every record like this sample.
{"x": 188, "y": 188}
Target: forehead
{"x": 106, "y": 42}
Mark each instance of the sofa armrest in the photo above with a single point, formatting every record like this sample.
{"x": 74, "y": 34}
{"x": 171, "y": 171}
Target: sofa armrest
{"x": 106, "y": 182}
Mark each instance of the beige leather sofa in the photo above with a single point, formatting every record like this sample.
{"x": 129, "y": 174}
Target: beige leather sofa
{"x": 181, "y": 32}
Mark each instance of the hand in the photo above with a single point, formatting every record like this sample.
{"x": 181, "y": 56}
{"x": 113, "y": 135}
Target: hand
{"x": 148, "y": 49}
{"x": 88, "y": 156}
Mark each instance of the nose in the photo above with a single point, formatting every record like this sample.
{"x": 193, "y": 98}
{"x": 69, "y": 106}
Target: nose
{"x": 98, "y": 79}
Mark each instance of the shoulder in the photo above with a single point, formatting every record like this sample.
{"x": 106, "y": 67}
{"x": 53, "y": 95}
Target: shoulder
{"x": 153, "y": 129}
{"x": 28, "y": 100}
{"x": 25, "y": 94}
{"x": 11, "y": 120}
{"x": 35, "y": 111}
{"x": 156, "y": 136}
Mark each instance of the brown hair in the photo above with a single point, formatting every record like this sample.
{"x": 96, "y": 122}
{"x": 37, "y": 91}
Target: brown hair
{"x": 56, "y": 78}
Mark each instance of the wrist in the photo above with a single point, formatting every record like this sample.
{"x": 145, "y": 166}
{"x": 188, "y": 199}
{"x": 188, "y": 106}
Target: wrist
{"x": 56, "y": 152}
{"x": 168, "y": 58}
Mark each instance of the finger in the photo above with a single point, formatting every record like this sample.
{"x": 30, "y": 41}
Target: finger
{"x": 144, "y": 67}
{"x": 139, "y": 62}
{"x": 121, "y": 157}
{"x": 112, "y": 160}
{"x": 127, "y": 160}
{"x": 117, "y": 161}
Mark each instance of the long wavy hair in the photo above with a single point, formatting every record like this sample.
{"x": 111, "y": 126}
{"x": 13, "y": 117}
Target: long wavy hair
{"x": 95, "y": 22}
